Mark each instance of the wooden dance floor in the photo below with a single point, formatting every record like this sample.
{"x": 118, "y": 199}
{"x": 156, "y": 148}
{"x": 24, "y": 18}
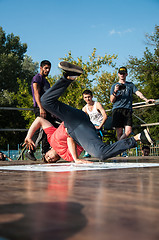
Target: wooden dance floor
{"x": 115, "y": 200}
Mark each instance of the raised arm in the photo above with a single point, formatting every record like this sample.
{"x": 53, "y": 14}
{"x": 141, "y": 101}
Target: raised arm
{"x": 38, "y": 122}
{"x": 113, "y": 95}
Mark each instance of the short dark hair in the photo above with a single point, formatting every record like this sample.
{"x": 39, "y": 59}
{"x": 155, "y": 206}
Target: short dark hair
{"x": 87, "y": 91}
{"x": 146, "y": 147}
{"x": 45, "y": 62}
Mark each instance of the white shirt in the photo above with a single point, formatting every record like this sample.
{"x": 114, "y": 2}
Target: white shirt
{"x": 95, "y": 117}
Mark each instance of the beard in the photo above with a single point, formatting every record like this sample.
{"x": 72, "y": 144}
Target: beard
{"x": 45, "y": 74}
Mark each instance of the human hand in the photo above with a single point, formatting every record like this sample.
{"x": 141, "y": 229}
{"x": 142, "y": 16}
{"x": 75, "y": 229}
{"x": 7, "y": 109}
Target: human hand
{"x": 97, "y": 127}
{"x": 29, "y": 143}
{"x": 116, "y": 89}
{"x": 42, "y": 113}
{"x": 81, "y": 161}
{"x": 150, "y": 101}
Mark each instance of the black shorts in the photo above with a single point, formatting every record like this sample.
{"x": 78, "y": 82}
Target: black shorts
{"x": 122, "y": 117}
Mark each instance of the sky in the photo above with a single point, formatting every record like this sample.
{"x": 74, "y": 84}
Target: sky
{"x": 52, "y": 28}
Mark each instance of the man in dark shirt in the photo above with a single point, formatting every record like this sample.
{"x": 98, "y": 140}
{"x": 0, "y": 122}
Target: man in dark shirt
{"x": 77, "y": 128}
{"x": 39, "y": 86}
{"x": 121, "y": 95}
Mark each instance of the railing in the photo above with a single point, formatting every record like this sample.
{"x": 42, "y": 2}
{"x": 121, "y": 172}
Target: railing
{"x": 15, "y": 109}
{"x": 154, "y": 151}
{"x": 135, "y": 105}
{"x": 133, "y": 152}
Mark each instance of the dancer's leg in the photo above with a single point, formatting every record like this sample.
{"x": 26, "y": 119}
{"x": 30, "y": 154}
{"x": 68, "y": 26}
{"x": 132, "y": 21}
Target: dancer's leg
{"x": 71, "y": 116}
{"x": 89, "y": 140}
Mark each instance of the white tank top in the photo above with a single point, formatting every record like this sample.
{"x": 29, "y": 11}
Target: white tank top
{"x": 95, "y": 116}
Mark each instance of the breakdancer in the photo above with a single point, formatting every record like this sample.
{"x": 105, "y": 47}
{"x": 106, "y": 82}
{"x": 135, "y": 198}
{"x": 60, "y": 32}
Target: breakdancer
{"x": 76, "y": 132}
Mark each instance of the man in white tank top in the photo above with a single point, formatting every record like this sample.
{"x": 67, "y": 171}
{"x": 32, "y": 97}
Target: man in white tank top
{"x": 95, "y": 111}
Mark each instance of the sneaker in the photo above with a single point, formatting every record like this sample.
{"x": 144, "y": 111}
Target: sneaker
{"x": 146, "y": 138}
{"x": 124, "y": 154}
{"x": 87, "y": 155}
{"x": 29, "y": 154}
{"x": 70, "y": 69}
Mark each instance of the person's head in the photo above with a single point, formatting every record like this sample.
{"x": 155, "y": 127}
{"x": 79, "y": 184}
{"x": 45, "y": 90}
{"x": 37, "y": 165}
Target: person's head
{"x": 51, "y": 156}
{"x": 87, "y": 96}
{"x": 45, "y": 67}
{"x": 145, "y": 151}
{"x": 2, "y": 156}
{"x": 122, "y": 73}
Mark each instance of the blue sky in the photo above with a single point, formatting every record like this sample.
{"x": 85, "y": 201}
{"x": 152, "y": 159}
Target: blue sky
{"x": 52, "y": 28}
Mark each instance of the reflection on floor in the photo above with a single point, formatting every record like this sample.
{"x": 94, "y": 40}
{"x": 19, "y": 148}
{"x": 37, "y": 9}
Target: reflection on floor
{"x": 113, "y": 201}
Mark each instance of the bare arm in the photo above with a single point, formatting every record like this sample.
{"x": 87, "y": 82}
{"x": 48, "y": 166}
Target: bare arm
{"x": 38, "y": 122}
{"x": 102, "y": 111}
{"x": 36, "y": 88}
{"x": 72, "y": 148}
{"x": 7, "y": 157}
{"x": 113, "y": 96}
{"x": 140, "y": 95}
{"x": 84, "y": 110}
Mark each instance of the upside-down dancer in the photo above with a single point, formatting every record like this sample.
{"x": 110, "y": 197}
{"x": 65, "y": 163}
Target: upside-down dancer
{"x": 76, "y": 132}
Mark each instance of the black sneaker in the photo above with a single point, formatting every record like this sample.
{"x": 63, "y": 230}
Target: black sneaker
{"x": 146, "y": 138}
{"x": 70, "y": 69}
{"x": 29, "y": 154}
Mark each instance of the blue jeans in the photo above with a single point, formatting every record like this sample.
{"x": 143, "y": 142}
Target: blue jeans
{"x": 79, "y": 126}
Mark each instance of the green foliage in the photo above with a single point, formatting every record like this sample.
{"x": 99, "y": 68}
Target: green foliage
{"x": 11, "y": 57}
{"x": 102, "y": 88}
{"x": 28, "y": 69}
{"x": 25, "y": 100}
{"x": 10, "y": 119}
{"x": 17, "y": 70}
{"x": 146, "y": 69}
{"x": 73, "y": 95}
{"x": 146, "y": 72}
{"x": 6, "y": 98}
{"x": 14, "y": 64}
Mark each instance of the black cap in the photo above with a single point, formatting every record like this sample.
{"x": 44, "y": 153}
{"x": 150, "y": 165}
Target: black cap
{"x": 122, "y": 70}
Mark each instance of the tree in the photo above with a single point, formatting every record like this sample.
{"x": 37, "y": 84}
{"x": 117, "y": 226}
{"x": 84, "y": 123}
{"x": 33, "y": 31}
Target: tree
{"x": 28, "y": 69}
{"x": 102, "y": 88}
{"x": 14, "y": 64}
{"x": 11, "y": 57}
{"x": 73, "y": 95}
{"x": 146, "y": 72}
{"x": 12, "y": 120}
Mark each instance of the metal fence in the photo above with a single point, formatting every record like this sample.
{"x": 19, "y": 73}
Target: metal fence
{"x": 14, "y": 154}
{"x": 154, "y": 151}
